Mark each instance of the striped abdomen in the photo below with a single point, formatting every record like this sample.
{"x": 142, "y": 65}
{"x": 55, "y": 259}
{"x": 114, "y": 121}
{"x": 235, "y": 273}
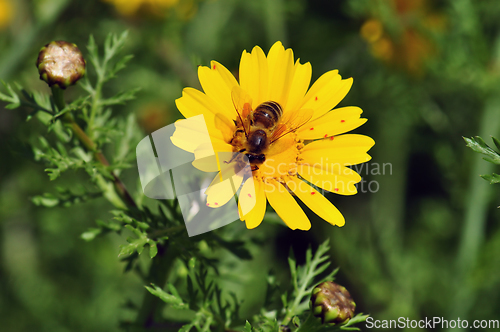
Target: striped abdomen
{"x": 267, "y": 115}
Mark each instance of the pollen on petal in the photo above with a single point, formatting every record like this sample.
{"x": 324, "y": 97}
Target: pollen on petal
{"x": 331, "y": 138}
{"x": 316, "y": 98}
{"x": 336, "y": 190}
{"x": 326, "y": 135}
{"x": 249, "y": 195}
{"x": 218, "y": 203}
{"x": 342, "y": 120}
{"x": 208, "y": 204}
{"x": 313, "y": 193}
{"x": 312, "y": 128}
{"x": 213, "y": 67}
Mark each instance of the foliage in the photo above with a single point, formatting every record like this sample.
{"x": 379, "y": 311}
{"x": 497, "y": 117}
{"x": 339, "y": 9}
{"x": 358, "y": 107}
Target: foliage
{"x": 477, "y": 144}
{"x": 74, "y": 148}
{"x": 398, "y": 248}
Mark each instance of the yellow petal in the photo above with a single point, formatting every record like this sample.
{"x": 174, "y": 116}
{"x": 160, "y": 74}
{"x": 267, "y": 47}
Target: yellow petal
{"x": 344, "y": 150}
{"x": 281, "y": 73}
{"x": 252, "y": 203}
{"x": 221, "y": 191}
{"x": 315, "y": 201}
{"x": 186, "y": 131}
{"x": 190, "y": 133}
{"x": 335, "y": 122}
{"x": 285, "y": 206}
{"x": 326, "y": 93}
{"x": 225, "y": 126}
{"x": 205, "y": 155}
{"x": 217, "y": 83}
{"x": 299, "y": 86}
{"x": 338, "y": 179}
{"x": 254, "y": 77}
{"x": 194, "y": 102}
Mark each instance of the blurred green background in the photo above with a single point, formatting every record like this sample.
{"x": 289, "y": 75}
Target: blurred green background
{"x": 423, "y": 240}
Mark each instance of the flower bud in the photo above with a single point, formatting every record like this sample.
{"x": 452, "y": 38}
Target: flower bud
{"x": 332, "y": 303}
{"x": 60, "y": 63}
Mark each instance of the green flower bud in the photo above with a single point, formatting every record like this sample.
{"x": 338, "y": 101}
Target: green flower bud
{"x": 332, "y": 303}
{"x": 60, "y": 63}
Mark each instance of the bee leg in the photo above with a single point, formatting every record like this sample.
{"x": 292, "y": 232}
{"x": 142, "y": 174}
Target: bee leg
{"x": 234, "y": 156}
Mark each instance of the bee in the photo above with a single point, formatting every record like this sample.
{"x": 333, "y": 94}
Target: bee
{"x": 258, "y": 129}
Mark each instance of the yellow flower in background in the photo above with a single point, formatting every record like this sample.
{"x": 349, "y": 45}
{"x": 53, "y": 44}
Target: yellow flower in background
{"x": 6, "y": 12}
{"x": 411, "y": 45}
{"x": 130, "y": 7}
{"x": 289, "y": 132}
{"x": 185, "y": 8}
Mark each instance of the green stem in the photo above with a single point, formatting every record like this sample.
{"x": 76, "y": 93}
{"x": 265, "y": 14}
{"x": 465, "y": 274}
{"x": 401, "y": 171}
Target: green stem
{"x": 95, "y": 104}
{"x": 475, "y": 216}
{"x": 58, "y": 96}
{"x": 166, "y": 231}
{"x": 158, "y": 274}
{"x": 388, "y": 208}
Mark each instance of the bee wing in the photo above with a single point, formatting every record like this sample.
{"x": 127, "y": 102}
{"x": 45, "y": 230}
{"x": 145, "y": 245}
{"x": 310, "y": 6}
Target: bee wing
{"x": 291, "y": 122}
{"x": 225, "y": 125}
{"x": 242, "y": 104}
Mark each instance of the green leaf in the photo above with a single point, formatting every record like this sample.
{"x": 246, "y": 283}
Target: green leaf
{"x": 103, "y": 228}
{"x": 173, "y": 299}
{"x": 12, "y": 98}
{"x": 192, "y": 263}
{"x": 186, "y": 328}
{"x": 119, "y": 65}
{"x": 477, "y": 144}
{"x": 496, "y": 141}
{"x": 359, "y": 318}
{"x": 120, "y": 98}
{"x": 296, "y": 321}
{"x": 91, "y": 234}
{"x": 493, "y": 178}
{"x": 304, "y": 279}
{"x": 64, "y": 197}
{"x": 137, "y": 244}
{"x": 248, "y": 327}
{"x": 47, "y": 200}
{"x": 272, "y": 289}
{"x": 153, "y": 249}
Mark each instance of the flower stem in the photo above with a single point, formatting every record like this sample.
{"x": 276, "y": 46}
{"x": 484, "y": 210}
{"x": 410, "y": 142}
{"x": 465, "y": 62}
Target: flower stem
{"x": 476, "y": 212}
{"x": 58, "y": 96}
{"x": 158, "y": 275}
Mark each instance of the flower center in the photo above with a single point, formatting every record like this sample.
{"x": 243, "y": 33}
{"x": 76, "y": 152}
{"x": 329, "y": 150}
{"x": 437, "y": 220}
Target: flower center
{"x": 269, "y": 158}
{"x": 281, "y": 159}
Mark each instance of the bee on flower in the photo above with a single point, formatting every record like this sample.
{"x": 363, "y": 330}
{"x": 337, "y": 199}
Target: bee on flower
{"x": 289, "y": 133}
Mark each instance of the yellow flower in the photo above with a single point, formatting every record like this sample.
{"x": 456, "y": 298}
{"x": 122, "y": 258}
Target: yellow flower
{"x": 314, "y": 152}
{"x": 130, "y": 7}
{"x": 411, "y": 47}
{"x": 5, "y": 13}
